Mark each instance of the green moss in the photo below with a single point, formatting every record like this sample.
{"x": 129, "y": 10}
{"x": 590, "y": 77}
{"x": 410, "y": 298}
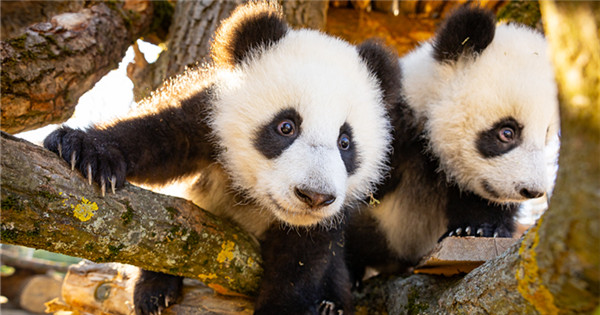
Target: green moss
{"x": 18, "y": 42}
{"x": 47, "y": 195}
{"x": 88, "y": 247}
{"x": 413, "y": 306}
{"x": 8, "y": 235}
{"x": 162, "y": 18}
{"x": 192, "y": 241}
{"x": 127, "y": 217}
{"x": 36, "y": 230}
{"x": 172, "y": 212}
{"x": 113, "y": 251}
{"x": 11, "y": 203}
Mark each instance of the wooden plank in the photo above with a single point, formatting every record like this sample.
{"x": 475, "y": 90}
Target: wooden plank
{"x": 456, "y": 255}
{"x": 108, "y": 289}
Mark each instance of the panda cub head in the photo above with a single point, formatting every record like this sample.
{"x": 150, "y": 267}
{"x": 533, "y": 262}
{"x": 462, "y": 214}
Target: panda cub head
{"x": 300, "y": 117}
{"x": 487, "y": 99}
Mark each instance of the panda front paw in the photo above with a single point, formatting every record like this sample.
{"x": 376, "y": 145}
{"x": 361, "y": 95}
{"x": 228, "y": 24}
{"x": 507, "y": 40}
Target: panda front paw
{"x": 482, "y": 230}
{"x": 154, "y": 292}
{"x": 97, "y": 160}
{"x": 329, "y": 308}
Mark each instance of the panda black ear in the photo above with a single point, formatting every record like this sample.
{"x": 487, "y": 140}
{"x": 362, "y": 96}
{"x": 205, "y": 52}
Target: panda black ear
{"x": 383, "y": 63}
{"x": 468, "y": 31}
{"x": 250, "y": 27}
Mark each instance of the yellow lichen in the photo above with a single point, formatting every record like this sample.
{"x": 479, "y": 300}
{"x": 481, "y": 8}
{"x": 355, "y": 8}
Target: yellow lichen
{"x": 204, "y": 277}
{"x": 84, "y": 210}
{"x": 529, "y": 284}
{"x": 226, "y": 253}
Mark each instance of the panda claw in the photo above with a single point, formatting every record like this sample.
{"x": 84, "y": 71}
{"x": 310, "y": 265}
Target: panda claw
{"x": 73, "y": 159}
{"x": 113, "y": 183}
{"x": 89, "y": 173}
{"x": 495, "y": 234}
{"x": 468, "y": 230}
{"x": 459, "y": 232}
{"x": 451, "y": 233}
{"x": 326, "y": 307}
{"x": 479, "y": 232}
{"x": 59, "y": 150}
{"x": 103, "y": 186}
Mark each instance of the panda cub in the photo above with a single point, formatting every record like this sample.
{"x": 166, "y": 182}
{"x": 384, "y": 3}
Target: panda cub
{"x": 288, "y": 129}
{"x": 479, "y": 109}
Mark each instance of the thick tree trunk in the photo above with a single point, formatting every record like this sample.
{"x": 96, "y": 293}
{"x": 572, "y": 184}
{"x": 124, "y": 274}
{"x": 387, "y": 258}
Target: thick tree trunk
{"x": 556, "y": 267}
{"x": 191, "y": 32}
{"x": 46, "y": 205}
{"x": 306, "y": 13}
{"x": 190, "y": 35}
{"x": 47, "y": 69}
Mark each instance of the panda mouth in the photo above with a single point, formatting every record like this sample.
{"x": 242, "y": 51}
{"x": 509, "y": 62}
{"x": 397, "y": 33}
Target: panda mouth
{"x": 488, "y": 188}
{"x": 494, "y": 195}
{"x": 296, "y": 216}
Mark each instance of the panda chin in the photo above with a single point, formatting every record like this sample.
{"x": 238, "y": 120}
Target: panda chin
{"x": 302, "y": 217}
{"x": 490, "y": 193}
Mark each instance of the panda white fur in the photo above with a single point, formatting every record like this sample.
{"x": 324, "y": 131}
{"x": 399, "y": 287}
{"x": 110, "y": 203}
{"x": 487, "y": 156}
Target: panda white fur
{"x": 288, "y": 129}
{"x": 478, "y": 112}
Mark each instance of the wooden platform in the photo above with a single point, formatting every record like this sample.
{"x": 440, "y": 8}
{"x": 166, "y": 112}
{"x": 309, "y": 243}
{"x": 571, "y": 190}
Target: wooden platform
{"x": 456, "y": 255}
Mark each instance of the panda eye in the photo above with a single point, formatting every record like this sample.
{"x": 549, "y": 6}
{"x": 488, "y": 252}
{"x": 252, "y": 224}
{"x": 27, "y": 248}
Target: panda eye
{"x": 506, "y": 134}
{"x": 286, "y": 128}
{"x": 344, "y": 142}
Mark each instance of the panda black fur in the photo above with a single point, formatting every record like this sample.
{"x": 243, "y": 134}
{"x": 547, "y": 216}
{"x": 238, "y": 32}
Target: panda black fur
{"x": 479, "y": 107}
{"x": 287, "y": 128}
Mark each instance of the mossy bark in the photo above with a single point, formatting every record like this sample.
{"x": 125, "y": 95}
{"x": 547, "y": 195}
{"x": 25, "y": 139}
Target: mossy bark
{"x": 46, "y": 69}
{"x": 555, "y": 268}
{"x": 46, "y": 205}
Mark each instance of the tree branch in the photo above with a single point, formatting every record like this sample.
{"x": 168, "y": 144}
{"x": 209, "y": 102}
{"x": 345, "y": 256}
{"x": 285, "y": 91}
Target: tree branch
{"x": 555, "y": 267}
{"x": 46, "y": 205}
{"x": 47, "y": 69}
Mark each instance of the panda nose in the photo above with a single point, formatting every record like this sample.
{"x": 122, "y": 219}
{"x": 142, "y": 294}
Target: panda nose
{"x": 314, "y": 199}
{"x": 530, "y": 193}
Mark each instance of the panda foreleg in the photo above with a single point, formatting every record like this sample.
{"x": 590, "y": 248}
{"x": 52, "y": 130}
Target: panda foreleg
{"x": 471, "y": 215}
{"x": 304, "y": 272}
{"x": 154, "y": 148}
{"x": 155, "y": 291}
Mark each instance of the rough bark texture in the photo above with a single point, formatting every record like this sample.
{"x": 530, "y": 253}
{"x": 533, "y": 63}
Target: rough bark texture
{"x": 305, "y": 13}
{"x": 47, "y": 69}
{"x": 556, "y": 267}
{"x": 46, "y": 205}
{"x": 18, "y": 15}
{"x": 190, "y": 35}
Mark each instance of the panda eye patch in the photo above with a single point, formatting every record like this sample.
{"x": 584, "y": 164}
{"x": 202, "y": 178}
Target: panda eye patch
{"x": 286, "y": 128}
{"x": 272, "y": 138}
{"x": 506, "y": 134}
{"x": 344, "y": 142}
{"x": 502, "y": 137}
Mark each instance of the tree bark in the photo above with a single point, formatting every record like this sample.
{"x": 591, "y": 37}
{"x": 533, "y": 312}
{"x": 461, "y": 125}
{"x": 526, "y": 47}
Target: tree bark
{"x": 306, "y": 13}
{"x": 555, "y": 268}
{"x": 18, "y": 15}
{"x": 46, "y": 205}
{"x": 47, "y": 69}
{"x": 191, "y": 33}
{"x": 189, "y": 39}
